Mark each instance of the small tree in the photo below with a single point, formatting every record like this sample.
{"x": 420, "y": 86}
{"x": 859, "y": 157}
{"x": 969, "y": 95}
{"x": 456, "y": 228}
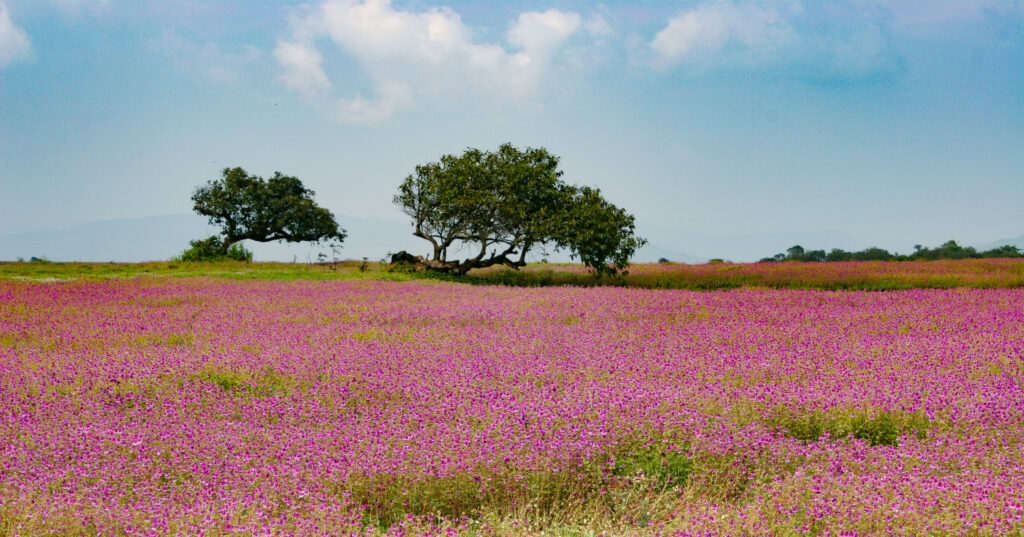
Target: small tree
{"x": 796, "y": 253}
{"x": 602, "y": 235}
{"x": 275, "y": 209}
{"x": 501, "y": 205}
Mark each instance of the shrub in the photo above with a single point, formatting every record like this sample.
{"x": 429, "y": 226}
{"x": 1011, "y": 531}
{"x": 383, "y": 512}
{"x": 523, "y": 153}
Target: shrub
{"x": 212, "y": 249}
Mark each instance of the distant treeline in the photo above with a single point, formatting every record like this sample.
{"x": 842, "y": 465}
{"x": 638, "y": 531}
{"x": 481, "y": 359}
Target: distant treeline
{"x": 949, "y": 250}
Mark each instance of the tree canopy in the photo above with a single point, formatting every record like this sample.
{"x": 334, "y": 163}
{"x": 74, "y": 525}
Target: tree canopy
{"x": 500, "y": 205}
{"x": 276, "y": 209}
{"x": 948, "y": 250}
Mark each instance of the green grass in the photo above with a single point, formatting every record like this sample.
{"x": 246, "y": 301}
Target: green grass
{"x": 50, "y": 271}
{"x": 869, "y": 276}
{"x": 876, "y": 428}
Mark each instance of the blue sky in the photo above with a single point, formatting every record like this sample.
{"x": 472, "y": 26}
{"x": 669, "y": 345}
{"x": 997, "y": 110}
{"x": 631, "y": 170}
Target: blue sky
{"x": 894, "y": 122}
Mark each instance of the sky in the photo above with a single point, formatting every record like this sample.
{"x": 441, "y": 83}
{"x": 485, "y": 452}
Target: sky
{"x": 892, "y": 122}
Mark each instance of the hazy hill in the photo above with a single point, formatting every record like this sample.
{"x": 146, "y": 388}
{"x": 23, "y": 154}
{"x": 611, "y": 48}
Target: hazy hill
{"x": 162, "y": 237}
{"x": 1018, "y": 242}
{"x": 746, "y": 247}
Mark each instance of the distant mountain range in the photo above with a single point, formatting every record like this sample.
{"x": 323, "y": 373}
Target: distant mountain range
{"x": 157, "y": 238}
{"x": 742, "y": 247}
{"x": 1018, "y": 242}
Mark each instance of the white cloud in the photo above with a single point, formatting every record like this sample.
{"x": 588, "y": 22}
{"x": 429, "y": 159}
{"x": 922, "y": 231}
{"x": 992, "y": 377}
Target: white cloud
{"x": 388, "y": 100}
{"x": 14, "y": 44}
{"x": 598, "y": 26}
{"x": 539, "y": 34}
{"x": 207, "y": 60}
{"x": 844, "y": 39}
{"x": 701, "y": 33}
{"x": 302, "y": 67}
{"x": 410, "y": 57}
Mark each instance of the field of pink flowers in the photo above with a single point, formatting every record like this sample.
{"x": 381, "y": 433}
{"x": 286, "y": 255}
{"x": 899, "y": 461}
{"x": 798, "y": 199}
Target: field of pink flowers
{"x": 202, "y": 406}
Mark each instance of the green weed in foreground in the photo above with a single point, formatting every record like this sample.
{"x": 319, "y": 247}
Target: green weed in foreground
{"x": 640, "y": 485}
{"x": 265, "y": 383}
{"x": 877, "y": 428}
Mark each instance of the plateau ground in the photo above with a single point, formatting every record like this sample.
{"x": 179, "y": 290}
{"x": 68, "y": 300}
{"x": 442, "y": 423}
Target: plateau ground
{"x": 279, "y": 400}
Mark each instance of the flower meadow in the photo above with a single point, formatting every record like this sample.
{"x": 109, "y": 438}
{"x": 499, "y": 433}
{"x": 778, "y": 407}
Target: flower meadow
{"x": 204, "y": 406}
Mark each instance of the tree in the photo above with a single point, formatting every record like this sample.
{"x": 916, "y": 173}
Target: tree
{"x": 1006, "y": 250}
{"x": 838, "y": 254}
{"x": 602, "y": 235}
{"x": 276, "y": 209}
{"x": 873, "y": 253}
{"x": 814, "y": 256}
{"x": 500, "y": 205}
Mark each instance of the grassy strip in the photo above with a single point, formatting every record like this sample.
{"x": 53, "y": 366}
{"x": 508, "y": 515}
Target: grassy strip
{"x": 863, "y": 276}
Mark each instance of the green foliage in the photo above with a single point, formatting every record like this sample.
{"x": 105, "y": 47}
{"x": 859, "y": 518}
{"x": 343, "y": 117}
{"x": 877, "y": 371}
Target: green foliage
{"x": 642, "y": 484}
{"x": 502, "y": 204}
{"x": 873, "y": 254}
{"x": 952, "y": 250}
{"x": 877, "y": 428}
{"x": 212, "y": 249}
{"x": 980, "y": 274}
{"x": 838, "y": 254}
{"x": 276, "y": 209}
{"x": 256, "y": 384}
{"x": 662, "y": 468}
{"x": 797, "y": 253}
{"x": 1003, "y": 251}
{"x": 602, "y": 235}
{"x": 948, "y": 250}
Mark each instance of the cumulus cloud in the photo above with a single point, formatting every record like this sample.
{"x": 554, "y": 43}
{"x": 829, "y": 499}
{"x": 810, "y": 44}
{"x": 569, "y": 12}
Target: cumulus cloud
{"x": 598, "y": 26}
{"x": 412, "y": 56}
{"x": 845, "y": 39}
{"x": 539, "y": 34}
{"x": 14, "y": 44}
{"x": 701, "y": 34}
{"x": 207, "y": 60}
{"x": 301, "y": 62}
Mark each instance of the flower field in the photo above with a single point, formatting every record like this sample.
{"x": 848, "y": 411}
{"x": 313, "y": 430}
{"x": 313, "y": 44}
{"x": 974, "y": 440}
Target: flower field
{"x": 208, "y": 406}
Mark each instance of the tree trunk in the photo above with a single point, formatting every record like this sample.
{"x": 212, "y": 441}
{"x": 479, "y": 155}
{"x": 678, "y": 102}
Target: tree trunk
{"x": 228, "y": 241}
{"x": 419, "y": 263}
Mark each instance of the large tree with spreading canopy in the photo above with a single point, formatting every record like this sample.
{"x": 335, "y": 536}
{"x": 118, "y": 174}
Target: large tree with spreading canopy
{"x": 276, "y": 209}
{"x": 500, "y": 205}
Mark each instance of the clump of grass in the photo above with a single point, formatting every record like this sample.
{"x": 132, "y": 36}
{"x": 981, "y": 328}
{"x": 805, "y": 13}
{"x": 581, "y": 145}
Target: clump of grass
{"x": 389, "y": 499}
{"x": 638, "y": 483}
{"x": 662, "y": 468}
{"x": 876, "y": 427}
{"x": 262, "y": 384}
{"x": 176, "y": 340}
